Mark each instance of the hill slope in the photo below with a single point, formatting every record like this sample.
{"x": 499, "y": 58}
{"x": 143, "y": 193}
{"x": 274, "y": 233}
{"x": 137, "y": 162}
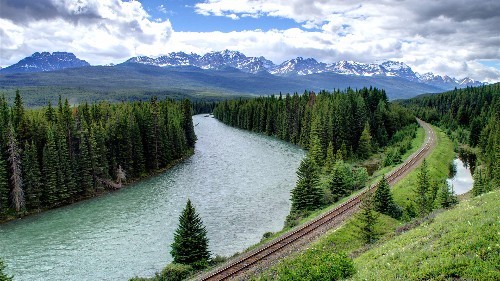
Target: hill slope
{"x": 461, "y": 243}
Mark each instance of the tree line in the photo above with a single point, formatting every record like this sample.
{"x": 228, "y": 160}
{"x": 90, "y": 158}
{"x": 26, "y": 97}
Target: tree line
{"x": 471, "y": 116}
{"x": 53, "y": 156}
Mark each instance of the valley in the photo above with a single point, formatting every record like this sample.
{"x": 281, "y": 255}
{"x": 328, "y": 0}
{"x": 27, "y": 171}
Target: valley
{"x": 153, "y": 140}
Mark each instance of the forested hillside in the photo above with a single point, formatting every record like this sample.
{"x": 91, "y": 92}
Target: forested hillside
{"x": 471, "y": 117}
{"x": 54, "y": 156}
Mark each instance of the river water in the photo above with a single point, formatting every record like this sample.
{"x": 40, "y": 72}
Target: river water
{"x": 239, "y": 182}
{"x": 462, "y": 182}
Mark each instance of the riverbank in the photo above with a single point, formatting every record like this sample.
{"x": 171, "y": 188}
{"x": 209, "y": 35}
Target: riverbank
{"x": 101, "y": 192}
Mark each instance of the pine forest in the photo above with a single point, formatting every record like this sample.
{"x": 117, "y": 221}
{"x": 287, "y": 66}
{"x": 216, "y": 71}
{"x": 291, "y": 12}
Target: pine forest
{"x": 57, "y": 155}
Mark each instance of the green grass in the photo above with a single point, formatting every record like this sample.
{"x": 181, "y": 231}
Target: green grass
{"x": 437, "y": 162}
{"x": 461, "y": 243}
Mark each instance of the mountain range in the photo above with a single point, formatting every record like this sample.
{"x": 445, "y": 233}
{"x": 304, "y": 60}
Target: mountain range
{"x": 44, "y": 76}
{"x": 46, "y": 61}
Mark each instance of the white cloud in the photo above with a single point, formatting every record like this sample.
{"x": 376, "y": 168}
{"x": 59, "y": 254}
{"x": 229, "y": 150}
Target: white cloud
{"x": 100, "y": 31}
{"x": 446, "y": 37}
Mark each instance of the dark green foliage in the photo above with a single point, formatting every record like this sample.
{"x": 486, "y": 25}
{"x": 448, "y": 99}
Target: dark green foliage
{"x": 69, "y": 153}
{"x": 446, "y": 196}
{"x": 339, "y": 118}
{"x": 32, "y": 177}
{"x": 3, "y": 275}
{"x": 190, "y": 244}
{"x": 341, "y": 182}
{"x": 368, "y": 219}
{"x": 480, "y": 184}
{"x": 423, "y": 198}
{"x": 364, "y": 146}
{"x": 187, "y": 123}
{"x": 4, "y": 187}
{"x": 384, "y": 202}
{"x": 306, "y": 196}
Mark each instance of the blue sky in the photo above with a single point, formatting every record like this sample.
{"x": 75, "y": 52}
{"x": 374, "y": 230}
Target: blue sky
{"x": 183, "y": 17}
{"x": 459, "y": 38}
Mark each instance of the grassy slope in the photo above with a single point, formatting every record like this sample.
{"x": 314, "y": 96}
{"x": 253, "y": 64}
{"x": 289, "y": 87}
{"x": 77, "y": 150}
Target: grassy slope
{"x": 460, "y": 243}
{"x": 344, "y": 238}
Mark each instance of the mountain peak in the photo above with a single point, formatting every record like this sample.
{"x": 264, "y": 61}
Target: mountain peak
{"x": 46, "y": 61}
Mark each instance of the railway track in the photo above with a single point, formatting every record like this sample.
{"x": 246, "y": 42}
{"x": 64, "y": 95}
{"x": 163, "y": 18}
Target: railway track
{"x": 331, "y": 218}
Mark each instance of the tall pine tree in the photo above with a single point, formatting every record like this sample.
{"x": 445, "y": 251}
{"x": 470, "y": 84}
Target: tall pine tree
{"x": 17, "y": 193}
{"x": 384, "y": 203}
{"x": 32, "y": 177}
{"x": 190, "y": 244}
{"x": 4, "y": 186}
{"x": 423, "y": 198}
{"x": 306, "y": 196}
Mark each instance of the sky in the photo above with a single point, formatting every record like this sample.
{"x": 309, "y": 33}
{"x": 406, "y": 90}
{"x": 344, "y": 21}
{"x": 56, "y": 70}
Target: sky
{"x": 454, "y": 37}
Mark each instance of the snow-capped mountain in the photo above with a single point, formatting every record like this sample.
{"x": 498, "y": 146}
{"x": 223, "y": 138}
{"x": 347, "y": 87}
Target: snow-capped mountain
{"x": 45, "y": 61}
{"x": 212, "y": 60}
{"x": 298, "y": 66}
{"x": 302, "y": 66}
{"x": 430, "y": 78}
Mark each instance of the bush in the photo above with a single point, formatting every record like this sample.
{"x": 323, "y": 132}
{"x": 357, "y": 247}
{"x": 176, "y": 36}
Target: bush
{"x": 318, "y": 267}
{"x": 176, "y": 272}
{"x": 3, "y": 276}
{"x": 217, "y": 260}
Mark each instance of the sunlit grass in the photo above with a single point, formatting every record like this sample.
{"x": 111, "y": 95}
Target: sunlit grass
{"x": 460, "y": 244}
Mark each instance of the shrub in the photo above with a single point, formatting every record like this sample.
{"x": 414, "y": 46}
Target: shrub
{"x": 176, "y": 272}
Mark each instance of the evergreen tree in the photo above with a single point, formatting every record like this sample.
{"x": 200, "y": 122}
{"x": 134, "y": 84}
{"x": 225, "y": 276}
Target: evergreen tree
{"x": 447, "y": 197}
{"x": 423, "y": 199}
{"x": 479, "y": 187}
{"x": 306, "y": 195}
{"x": 384, "y": 203}
{"x": 50, "y": 168}
{"x": 17, "y": 193}
{"x": 341, "y": 180}
{"x": 364, "y": 145}
{"x": 315, "y": 145}
{"x": 368, "y": 219}
{"x": 190, "y": 244}
{"x": 32, "y": 177}
{"x": 4, "y": 186}
{"x": 17, "y": 112}
{"x": 329, "y": 160}
{"x": 85, "y": 166}
{"x": 187, "y": 123}
{"x": 315, "y": 151}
